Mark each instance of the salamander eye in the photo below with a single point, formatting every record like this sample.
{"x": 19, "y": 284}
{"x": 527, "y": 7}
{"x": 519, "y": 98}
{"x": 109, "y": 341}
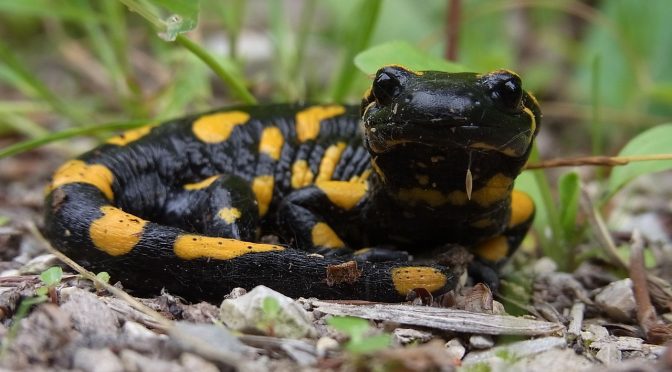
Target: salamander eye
{"x": 388, "y": 84}
{"x": 505, "y": 89}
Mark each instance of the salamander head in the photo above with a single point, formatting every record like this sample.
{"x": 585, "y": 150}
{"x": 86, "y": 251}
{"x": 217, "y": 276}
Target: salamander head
{"x": 484, "y": 112}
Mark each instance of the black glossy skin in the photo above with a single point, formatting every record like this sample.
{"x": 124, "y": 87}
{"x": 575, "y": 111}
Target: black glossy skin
{"x": 407, "y": 119}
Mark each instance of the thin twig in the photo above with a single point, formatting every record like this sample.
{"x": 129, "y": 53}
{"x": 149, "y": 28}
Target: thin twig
{"x": 646, "y": 314}
{"x": 137, "y": 305}
{"x": 453, "y": 16}
{"x": 605, "y": 161}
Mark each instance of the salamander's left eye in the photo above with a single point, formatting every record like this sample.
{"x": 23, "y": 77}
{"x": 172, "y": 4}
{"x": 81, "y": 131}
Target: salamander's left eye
{"x": 388, "y": 83}
{"x": 505, "y": 89}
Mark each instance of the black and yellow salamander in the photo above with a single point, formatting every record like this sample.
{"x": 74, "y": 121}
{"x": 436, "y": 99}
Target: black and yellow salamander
{"x": 428, "y": 161}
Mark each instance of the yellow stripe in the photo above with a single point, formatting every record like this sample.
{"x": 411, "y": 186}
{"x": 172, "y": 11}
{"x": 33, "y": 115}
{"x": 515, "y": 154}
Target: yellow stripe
{"x": 302, "y": 176}
{"x": 262, "y": 186}
{"x": 329, "y": 161}
{"x": 190, "y": 247}
{"x": 408, "y": 278}
{"x": 343, "y": 194}
{"x": 324, "y": 236}
{"x": 215, "y": 128}
{"x": 271, "y": 142}
{"x": 308, "y": 120}
{"x": 130, "y": 136}
{"x": 201, "y": 184}
{"x": 116, "y": 232}
{"x": 533, "y": 120}
{"x": 74, "y": 171}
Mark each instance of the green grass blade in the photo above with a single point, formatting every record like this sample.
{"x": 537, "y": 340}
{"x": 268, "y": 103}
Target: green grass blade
{"x": 67, "y": 134}
{"x": 226, "y": 70}
{"x": 358, "y": 34}
{"x": 38, "y": 88}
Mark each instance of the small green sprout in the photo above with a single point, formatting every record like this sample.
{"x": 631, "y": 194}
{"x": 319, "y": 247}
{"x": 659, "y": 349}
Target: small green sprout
{"x": 271, "y": 310}
{"x": 50, "y": 278}
{"x": 356, "y": 329}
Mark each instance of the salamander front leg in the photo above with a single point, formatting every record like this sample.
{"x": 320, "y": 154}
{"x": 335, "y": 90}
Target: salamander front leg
{"x": 314, "y": 215}
{"x": 221, "y": 206}
{"x": 493, "y": 252}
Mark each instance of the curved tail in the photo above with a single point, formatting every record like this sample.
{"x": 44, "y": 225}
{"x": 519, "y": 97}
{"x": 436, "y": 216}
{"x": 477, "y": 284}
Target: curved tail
{"x": 82, "y": 222}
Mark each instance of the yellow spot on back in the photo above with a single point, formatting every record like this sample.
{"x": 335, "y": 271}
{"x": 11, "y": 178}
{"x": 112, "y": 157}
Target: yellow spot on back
{"x": 493, "y": 249}
{"x": 324, "y": 236}
{"x": 130, "y": 136}
{"x": 308, "y": 120}
{"x": 302, "y": 176}
{"x": 74, "y": 171}
{"x": 343, "y": 194}
{"x": 229, "y": 215}
{"x": 522, "y": 208}
{"x": 496, "y": 189}
{"x": 407, "y": 278}
{"x": 116, "y": 232}
{"x": 328, "y": 164}
{"x": 191, "y": 246}
{"x": 262, "y": 186}
{"x": 201, "y": 184}
{"x": 215, "y": 128}
{"x": 271, "y": 142}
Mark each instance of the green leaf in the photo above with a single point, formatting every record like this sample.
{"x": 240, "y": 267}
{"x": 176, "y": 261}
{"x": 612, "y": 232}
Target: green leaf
{"x": 183, "y": 17}
{"x": 4, "y": 220}
{"x": 51, "y": 276}
{"x": 369, "y": 344}
{"x": 170, "y": 17}
{"x": 42, "y": 291}
{"x": 570, "y": 194}
{"x": 351, "y": 326}
{"x": 103, "y": 276}
{"x": 270, "y": 307}
{"x": 402, "y": 53}
{"x": 653, "y": 141}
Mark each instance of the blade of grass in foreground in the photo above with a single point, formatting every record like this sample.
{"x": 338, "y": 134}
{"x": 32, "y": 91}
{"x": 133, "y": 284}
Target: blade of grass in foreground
{"x": 359, "y": 33}
{"x": 67, "y": 134}
{"x": 225, "y": 69}
{"x": 40, "y": 90}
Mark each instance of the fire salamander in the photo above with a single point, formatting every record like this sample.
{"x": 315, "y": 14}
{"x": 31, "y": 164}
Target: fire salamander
{"x": 427, "y": 162}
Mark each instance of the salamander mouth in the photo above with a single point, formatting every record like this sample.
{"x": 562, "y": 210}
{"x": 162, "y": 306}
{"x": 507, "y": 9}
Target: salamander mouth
{"x": 449, "y": 135}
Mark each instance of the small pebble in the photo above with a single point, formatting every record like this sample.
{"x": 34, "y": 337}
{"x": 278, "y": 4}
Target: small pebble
{"x": 618, "y": 301}
{"x": 404, "y": 336}
{"x": 481, "y": 342}
{"x": 325, "y": 345}
{"x": 609, "y": 355}
{"x": 455, "y": 348}
{"x": 98, "y": 360}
